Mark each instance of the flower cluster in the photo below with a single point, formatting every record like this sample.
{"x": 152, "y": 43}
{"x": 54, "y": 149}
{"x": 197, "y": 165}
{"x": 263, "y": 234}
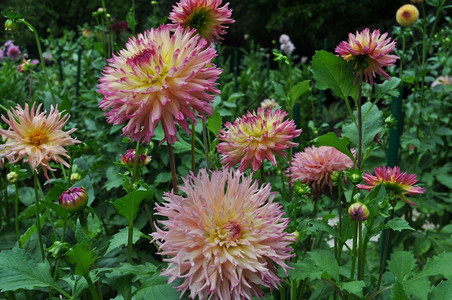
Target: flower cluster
{"x": 159, "y": 77}
{"x": 369, "y": 53}
{"x": 255, "y": 137}
{"x": 225, "y": 238}
{"x": 27, "y": 65}
{"x": 287, "y": 47}
{"x": 10, "y": 49}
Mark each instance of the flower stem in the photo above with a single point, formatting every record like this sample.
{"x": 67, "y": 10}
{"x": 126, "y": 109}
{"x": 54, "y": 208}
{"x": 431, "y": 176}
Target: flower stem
{"x": 16, "y": 214}
{"x": 360, "y": 122}
{"x": 355, "y": 246}
{"x": 360, "y": 251}
{"x": 173, "y": 169}
{"x": 38, "y": 221}
{"x": 339, "y": 209}
{"x": 135, "y": 173}
{"x": 193, "y": 132}
{"x": 385, "y": 252}
{"x": 262, "y": 174}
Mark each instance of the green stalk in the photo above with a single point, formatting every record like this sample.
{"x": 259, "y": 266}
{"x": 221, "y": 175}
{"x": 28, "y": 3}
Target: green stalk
{"x": 339, "y": 209}
{"x": 130, "y": 231}
{"x": 91, "y": 288}
{"x": 360, "y": 122}
{"x": 16, "y": 214}
{"x": 206, "y": 145}
{"x": 43, "y": 66}
{"x": 293, "y": 290}
{"x": 38, "y": 222}
{"x": 385, "y": 252}
{"x": 262, "y": 173}
{"x": 173, "y": 169}
{"x": 282, "y": 292}
{"x": 360, "y": 251}
{"x": 193, "y": 132}
{"x": 355, "y": 246}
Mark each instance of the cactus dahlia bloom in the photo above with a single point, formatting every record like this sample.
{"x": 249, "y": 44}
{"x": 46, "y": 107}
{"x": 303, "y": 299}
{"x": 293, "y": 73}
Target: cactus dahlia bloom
{"x": 400, "y": 184}
{"x": 407, "y": 15}
{"x": 38, "y": 138}
{"x": 225, "y": 238}
{"x": 206, "y": 16}
{"x": 314, "y": 167}
{"x": 254, "y": 137}
{"x": 159, "y": 77}
{"x": 369, "y": 53}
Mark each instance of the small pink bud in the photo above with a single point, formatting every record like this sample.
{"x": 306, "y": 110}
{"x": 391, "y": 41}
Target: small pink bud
{"x": 74, "y": 199}
{"x": 129, "y": 158}
{"x": 358, "y": 211}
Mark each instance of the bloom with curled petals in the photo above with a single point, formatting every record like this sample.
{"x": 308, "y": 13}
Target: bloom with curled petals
{"x": 13, "y": 52}
{"x": 256, "y": 136}
{"x": 407, "y": 15}
{"x": 206, "y": 16}
{"x": 442, "y": 80}
{"x": 369, "y": 53}
{"x": 400, "y": 184}
{"x": 225, "y": 238}
{"x": 36, "y": 137}
{"x": 159, "y": 77}
{"x": 315, "y": 165}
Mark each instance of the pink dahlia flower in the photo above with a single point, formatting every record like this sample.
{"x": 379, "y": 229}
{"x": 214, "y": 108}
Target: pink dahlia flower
{"x": 206, "y": 16}
{"x": 254, "y": 137}
{"x": 369, "y": 53}
{"x": 159, "y": 77}
{"x": 37, "y": 138}
{"x": 314, "y": 167}
{"x": 225, "y": 238}
{"x": 400, "y": 184}
{"x": 13, "y": 52}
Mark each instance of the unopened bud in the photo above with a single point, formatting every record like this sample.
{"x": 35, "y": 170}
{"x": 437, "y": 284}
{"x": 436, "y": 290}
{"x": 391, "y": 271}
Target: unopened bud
{"x": 75, "y": 177}
{"x": 12, "y": 177}
{"x": 129, "y": 158}
{"x": 74, "y": 199}
{"x": 11, "y": 26}
{"x": 358, "y": 211}
{"x": 301, "y": 189}
{"x": 336, "y": 176}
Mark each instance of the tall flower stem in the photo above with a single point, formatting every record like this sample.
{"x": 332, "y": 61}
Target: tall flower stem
{"x": 16, "y": 214}
{"x": 206, "y": 145}
{"x": 173, "y": 168}
{"x": 360, "y": 251}
{"x": 383, "y": 257}
{"x": 360, "y": 121}
{"x": 43, "y": 66}
{"x": 135, "y": 173}
{"x": 38, "y": 221}
{"x": 193, "y": 132}
{"x": 339, "y": 212}
{"x": 355, "y": 246}
{"x": 262, "y": 174}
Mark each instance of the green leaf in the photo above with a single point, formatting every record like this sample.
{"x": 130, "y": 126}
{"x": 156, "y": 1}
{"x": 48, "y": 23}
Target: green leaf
{"x": 18, "y": 270}
{"x": 418, "y": 288}
{"x": 163, "y": 177}
{"x": 327, "y": 263}
{"x": 279, "y": 90}
{"x": 88, "y": 186}
{"x": 401, "y": 264}
{"x": 390, "y": 87}
{"x": 156, "y": 287}
{"x": 128, "y": 206}
{"x": 11, "y": 14}
{"x": 121, "y": 238}
{"x": 398, "y": 293}
{"x": 119, "y": 282}
{"x": 305, "y": 269}
{"x": 83, "y": 257}
{"x": 330, "y": 139}
{"x": 354, "y": 287}
{"x": 398, "y": 224}
{"x": 372, "y": 124}
{"x": 319, "y": 225}
{"x": 442, "y": 291}
{"x": 332, "y": 72}
{"x": 297, "y": 90}
{"x": 444, "y": 179}
{"x": 214, "y": 123}
{"x": 437, "y": 265}
{"x": 32, "y": 229}
{"x": 80, "y": 234}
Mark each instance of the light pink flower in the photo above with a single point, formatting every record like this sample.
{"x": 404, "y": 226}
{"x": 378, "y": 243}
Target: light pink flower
{"x": 400, "y": 184}
{"x": 368, "y": 52}
{"x": 442, "y": 80}
{"x": 284, "y": 38}
{"x": 255, "y": 137}
{"x": 36, "y": 137}
{"x": 314, "y": 167}
{"x": 159, "y": 77}
{"x": 13, "y": 52}
{"x": 225, "y": 238}
{"x": 287, "y": 48}
{"x": 206, "y": 16}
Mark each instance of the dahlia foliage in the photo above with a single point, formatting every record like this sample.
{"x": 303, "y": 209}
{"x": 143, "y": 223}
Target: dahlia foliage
{"x": 315, "y": 165}
{"x": 206, "y": 16}
{"x": 225, "y": 238}
{"x": 400, "y": 184}
{"x": 255, "y": 137}
{"x": 36, "y": 137}
{"x": 369, "y": 53}
{"x": 159, "y": 77}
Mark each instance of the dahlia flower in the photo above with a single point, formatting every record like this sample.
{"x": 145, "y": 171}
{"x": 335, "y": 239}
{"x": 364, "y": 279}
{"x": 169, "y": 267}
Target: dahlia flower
{"x": 206, "y": 16}
{"x": 254, "y": 137}
{"x": 407, "y": 15}
{"x": 13, "y": 52}
{"x": 400, "y": 184}
{"x": 284, "y": 38}
{"x": 74, "y": 199}
{"x": 314, "y": 167}
{"x": 369, "y": 53}
{"x": 37, "y": 138}
{"x": 225, "y": 238}
{"x": 159, "y": 77}
{"x": 442, "y": 80}
{"x": 269, "y": 104}
{"x": 287, "y": 48}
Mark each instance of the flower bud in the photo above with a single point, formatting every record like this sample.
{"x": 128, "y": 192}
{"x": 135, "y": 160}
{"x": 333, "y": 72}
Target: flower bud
{"x": 296, "y": 235}
{"x": 336, "y": 176}
{"x": 300, "y": 188}
{"x": 358, "y": 211}
{"x": 11, "y": 26}
{"x": 129, "y": 158}
{"x": 12, "y": 177}
{"x": 407, "y": 15}
{"x": 58, "y": 249}
{"x": 75, "y": 177}
{"x": 74, "y": 199}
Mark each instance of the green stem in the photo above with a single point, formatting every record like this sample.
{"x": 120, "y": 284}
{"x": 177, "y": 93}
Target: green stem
{"x": 43, "y": 66}
{"x": 360, "y": 252}
{"x": 193, "y": 132}
{"x": 135, "y": 173}
{"x": 16, "y": 214}
{"x": 91, "y": 287}
{"x": 173, "y": 169}
{"x": 360, "y": 122}
{"x": 282, "y": 291}
{"x": 355, "y": 239}
{"x": 283, "y": 181}
{"x": 293, "y": 289}
{"x": 383, "y": 258}
{"x": 38, "y": 221}
{"x": 339, "y": 208}
{"x": 262, "y": 174}
{"x": 206, "y": 145}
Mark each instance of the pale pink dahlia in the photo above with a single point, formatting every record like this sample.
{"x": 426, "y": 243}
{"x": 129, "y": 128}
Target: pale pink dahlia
{"x": 225, "y": 238}
{"x": 160, "y": 76}
{"x": 369, "y": 53}
{"x": 314, "y": 167}
{"x": 400, "y": 184}
{"x": 206, "y": 16}
{"x": 254, "y": 137}
{"x": 37, "y": 138}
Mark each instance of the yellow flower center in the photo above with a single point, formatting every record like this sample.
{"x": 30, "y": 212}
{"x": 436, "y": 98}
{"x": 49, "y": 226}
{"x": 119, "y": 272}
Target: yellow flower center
{"x": 37, "y": 137}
